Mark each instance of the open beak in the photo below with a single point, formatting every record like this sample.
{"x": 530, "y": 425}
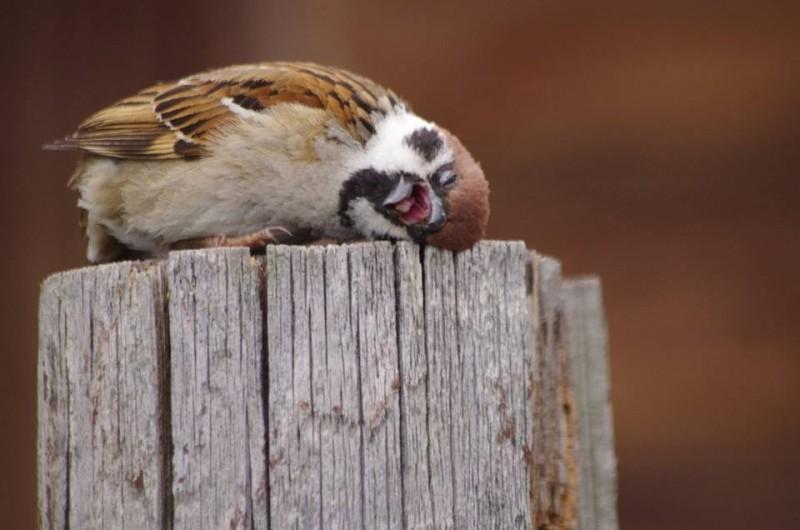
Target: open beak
{"x": 411, "y": 202}
{"x": 414, "y": 204}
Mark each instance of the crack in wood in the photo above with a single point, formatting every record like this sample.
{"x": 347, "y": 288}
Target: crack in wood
{"x": 343, "y": 386}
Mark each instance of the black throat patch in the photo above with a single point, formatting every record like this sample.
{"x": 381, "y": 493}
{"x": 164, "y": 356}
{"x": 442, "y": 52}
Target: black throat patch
{"x": 426, "y": 142}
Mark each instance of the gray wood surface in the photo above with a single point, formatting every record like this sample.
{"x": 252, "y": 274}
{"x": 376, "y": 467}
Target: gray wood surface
{"x": 373, "y": 385}
{"x": 489, "y": 388}
{"x": 216, "y": 408}
{"x": 101, "y": 395}
{"x": 588, "y": 345}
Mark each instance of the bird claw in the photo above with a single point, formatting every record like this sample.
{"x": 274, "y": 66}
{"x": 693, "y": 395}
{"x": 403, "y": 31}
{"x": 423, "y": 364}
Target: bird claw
{"x": 278, "y": 229}
{"x": 259, "y": 239}
{"x": 256, "y": 240}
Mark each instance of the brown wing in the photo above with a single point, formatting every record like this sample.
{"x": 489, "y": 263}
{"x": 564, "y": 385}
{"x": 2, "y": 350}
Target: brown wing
{"x": 180, "y": 119}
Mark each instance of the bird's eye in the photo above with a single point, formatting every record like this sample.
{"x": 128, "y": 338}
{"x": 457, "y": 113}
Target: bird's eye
{"x": 447, "y": 178}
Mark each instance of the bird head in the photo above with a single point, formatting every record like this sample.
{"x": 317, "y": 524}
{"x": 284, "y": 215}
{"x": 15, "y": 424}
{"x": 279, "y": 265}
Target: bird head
{"x": 414, "y": 180}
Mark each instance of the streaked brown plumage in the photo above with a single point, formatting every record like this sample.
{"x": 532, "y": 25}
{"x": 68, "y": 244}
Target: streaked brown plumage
{"x": 146, "y": 125}
{"x": 261, "y": 144}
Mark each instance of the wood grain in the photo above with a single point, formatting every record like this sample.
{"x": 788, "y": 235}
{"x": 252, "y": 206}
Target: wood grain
{"x": 374, "y": 385}
{"x": 216, "y": 407}
{"x": 101, "y": 395}
{"x": 588, "y": 345}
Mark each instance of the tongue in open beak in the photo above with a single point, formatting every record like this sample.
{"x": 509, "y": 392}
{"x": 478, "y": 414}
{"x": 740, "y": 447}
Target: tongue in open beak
{"x": 412, "y": 202}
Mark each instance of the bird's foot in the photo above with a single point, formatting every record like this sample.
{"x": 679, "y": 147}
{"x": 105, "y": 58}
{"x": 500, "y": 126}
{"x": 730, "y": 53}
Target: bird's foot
{"x": 259, "y": 239}
{"x": 262, "y": 238}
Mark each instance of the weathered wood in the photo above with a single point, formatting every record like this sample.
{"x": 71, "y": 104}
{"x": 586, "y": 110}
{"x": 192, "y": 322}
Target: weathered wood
{"x": 553, "y": 456}
{"x": 588, "y": 345}
{"x": 101, "y": 395}
{"x": 418, "y": 488}
{"x": 216, "y": 407}
{"x": 489, "y": 387}
{"x": 360, "y": 386}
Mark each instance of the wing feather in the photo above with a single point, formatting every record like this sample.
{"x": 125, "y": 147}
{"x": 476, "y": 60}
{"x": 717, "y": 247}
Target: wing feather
{"x": 180, "y": 119}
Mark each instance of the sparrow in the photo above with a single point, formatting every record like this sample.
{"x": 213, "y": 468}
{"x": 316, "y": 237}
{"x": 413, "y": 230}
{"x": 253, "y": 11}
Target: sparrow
{"x": 287, "y": 152}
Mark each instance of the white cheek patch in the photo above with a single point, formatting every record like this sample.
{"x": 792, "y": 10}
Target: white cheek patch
{"x": 368, "y": 222}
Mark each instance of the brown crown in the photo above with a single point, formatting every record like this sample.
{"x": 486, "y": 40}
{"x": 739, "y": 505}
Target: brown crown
{"x": 469, "y": 203}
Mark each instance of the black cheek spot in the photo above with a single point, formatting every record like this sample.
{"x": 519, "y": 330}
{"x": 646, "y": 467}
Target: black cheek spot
{"x": 367, "y": 183}
{"x": 371, "y": 185}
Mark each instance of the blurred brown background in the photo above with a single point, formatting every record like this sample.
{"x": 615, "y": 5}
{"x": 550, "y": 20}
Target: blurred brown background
{"x": 654, "y": 143}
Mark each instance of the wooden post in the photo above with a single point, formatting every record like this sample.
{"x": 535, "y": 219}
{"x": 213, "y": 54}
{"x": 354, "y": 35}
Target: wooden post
{"x": 357, "y": 386}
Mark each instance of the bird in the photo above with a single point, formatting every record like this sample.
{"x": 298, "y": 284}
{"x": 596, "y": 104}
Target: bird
{"x": 274, "y": 152}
